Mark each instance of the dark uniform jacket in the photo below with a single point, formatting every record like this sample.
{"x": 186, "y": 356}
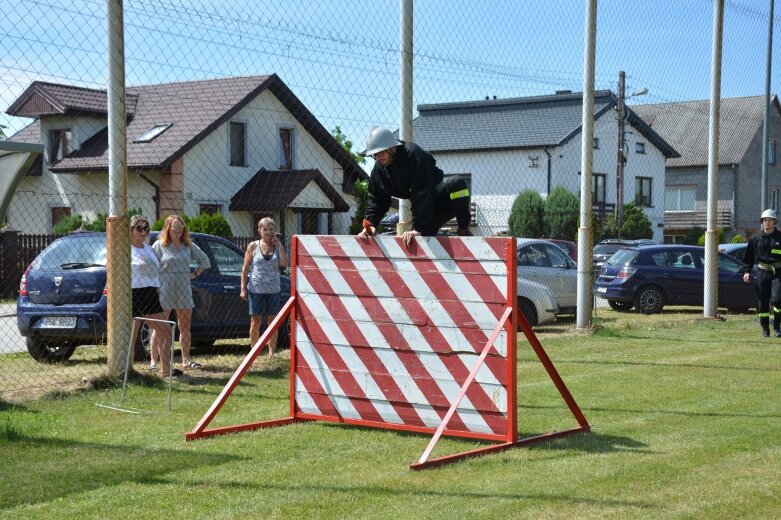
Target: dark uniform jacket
{"x": 763, "y": 246}
{"x": 413, "y": 175}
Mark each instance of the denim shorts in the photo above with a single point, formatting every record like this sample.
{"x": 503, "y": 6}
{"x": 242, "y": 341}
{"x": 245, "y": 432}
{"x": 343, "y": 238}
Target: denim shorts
{"x": 263, "y": 304}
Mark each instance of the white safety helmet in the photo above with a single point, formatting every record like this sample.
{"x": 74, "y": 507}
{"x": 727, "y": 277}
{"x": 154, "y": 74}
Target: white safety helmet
{"x": 769, "y": 213}
{"x": 380, "y": 139}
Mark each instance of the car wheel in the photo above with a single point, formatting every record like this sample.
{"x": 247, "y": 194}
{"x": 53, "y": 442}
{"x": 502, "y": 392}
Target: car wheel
{"x": 620, "y": 306}
{"x": 528, "y": 310}
{"x": 52, "y": 351}
{"x": 142, "y": 347}
{"x": 649, "y": 300}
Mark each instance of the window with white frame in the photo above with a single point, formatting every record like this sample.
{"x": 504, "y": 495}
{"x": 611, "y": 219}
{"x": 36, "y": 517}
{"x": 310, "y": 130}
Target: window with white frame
{"x": 285, "y": 148}
{"x": 237, "y": 137}
{"x": 596, "y": 143}
{"x": 771, "y": 151}
{"x": 59, "y": 144}
{"x": 679, "y": 198}
{"x": 774, "y": 198}
{"x": 639, "y": 147}
{"x": 643, "y": 192}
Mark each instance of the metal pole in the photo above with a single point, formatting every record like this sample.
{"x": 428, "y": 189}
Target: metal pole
{"x": 711, "y": 296}
{"x": 766, "y": 127}
{"x": 585, "y": 298}
{"x": 405, "y": 106}
{"x": 620, "y": 157}
{"x": 117, "y": 225}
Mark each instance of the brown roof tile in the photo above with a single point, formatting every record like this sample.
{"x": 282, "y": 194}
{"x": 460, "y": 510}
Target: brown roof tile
{"x": 269, "y": 191}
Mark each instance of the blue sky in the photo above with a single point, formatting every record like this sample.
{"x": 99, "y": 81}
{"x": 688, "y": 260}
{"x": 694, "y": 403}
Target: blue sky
{"x": 341, "y": 58}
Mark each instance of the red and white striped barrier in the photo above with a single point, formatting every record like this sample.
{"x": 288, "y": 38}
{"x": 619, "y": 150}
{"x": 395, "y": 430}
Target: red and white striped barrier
{"x": 419, "y": 338}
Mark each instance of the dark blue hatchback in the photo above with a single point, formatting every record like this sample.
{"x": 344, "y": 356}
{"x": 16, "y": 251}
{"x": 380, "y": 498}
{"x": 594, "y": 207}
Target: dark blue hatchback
{"x": 650, "y": 277}
{"x": 62, "y": 297}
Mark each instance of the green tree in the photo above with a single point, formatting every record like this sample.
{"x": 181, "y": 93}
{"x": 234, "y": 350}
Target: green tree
{"x": 562, "y": 210}
{"x": 214, "y": 224}
{"x": 738, "y": 239}
{"x": 693, "y": 237}
{"x": 68, "y": 224}
{"x": 720, "y": 232}
{"x": 635, "y": 223}
{"x": 361, "y": 194}
{"x": 347, "y": 144}
{"x": 527, "y": 215}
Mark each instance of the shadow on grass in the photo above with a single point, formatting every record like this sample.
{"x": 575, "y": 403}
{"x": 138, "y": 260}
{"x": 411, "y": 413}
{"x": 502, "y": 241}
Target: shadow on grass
{"x": 588, "y": 442}
{"x": 663, "y": 365}
{"x": 683, "y": 413}
{"x": 56, "y": 468}
{"x": 375, "y": 492}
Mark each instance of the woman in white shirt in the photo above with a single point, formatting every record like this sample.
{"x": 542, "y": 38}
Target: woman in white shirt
{"x": 145, "y": 283}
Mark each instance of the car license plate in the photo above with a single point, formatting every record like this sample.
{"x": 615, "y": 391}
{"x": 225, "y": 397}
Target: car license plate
{"x": 58, "y": 322}
{"x": 601, "y": 289}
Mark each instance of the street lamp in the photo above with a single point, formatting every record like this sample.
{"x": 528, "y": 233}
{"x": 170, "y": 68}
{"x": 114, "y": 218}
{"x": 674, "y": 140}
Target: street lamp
{"x": 621, "y": 157}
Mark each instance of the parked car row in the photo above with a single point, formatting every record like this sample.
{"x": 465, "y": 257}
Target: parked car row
{"x": 62, "y": 297}
{"x": 652, "y": 276}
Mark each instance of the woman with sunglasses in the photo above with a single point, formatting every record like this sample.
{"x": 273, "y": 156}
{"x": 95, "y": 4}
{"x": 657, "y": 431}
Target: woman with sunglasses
{"x": 145, "y": 284}
{"x": 176, "y": 251}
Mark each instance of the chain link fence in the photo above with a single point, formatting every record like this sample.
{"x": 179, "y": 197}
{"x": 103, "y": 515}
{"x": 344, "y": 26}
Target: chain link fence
{"x": 242, "y": 110}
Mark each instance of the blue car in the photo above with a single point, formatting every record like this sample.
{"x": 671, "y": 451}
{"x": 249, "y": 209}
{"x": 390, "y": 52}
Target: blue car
{"x": 652, "y": 276}
{"x": 62, "y": 297}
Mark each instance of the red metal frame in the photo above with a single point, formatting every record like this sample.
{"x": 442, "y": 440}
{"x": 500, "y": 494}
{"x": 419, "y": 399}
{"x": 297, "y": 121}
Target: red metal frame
{"x": 510, "y": 321}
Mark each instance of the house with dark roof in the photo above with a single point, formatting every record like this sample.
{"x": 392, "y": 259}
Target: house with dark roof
{"x": 244, "y": 147}
{"x": 685, "y": 125}
{"x": 505, "y": 146}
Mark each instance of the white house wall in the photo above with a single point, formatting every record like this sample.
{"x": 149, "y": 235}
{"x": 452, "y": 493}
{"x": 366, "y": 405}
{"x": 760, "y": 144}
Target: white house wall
{"x": 210, "y": 179}
{"x": 499, "y": 176}
{"x": 85, "y": 194}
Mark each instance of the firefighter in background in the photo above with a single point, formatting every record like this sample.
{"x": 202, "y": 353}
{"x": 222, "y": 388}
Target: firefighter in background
{"x": 764, "y": 249}
{"x": 407, "y": 171}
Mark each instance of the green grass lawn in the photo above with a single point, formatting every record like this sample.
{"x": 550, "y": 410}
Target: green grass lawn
{"x": 685, "y": 415}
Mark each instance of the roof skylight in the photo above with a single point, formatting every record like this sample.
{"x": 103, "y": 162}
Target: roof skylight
{"x": 153, "y": 132}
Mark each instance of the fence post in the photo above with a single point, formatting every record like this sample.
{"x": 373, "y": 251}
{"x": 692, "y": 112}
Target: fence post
{"x": 9, "y": 262}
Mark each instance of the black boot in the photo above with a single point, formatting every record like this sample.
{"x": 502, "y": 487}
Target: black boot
{"x": 764, "y": 322}
{"x": 777, "y": 323}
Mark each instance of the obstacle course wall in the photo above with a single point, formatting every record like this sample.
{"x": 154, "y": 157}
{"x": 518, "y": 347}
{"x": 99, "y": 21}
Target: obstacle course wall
{"x": 385, "y": 335}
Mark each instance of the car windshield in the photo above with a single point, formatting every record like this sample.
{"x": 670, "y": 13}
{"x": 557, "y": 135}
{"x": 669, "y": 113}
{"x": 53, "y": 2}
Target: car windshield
{"x": 607, "y": 249}
{"x": 622, "y": 257}
{"x": 73, "y": 253}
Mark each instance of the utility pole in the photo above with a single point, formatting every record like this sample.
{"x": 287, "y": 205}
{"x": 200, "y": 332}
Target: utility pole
{"x": 766, "y": 127}
{"x": 620, "y": 158}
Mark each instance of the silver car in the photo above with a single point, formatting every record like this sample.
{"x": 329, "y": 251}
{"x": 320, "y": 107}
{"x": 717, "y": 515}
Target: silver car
{"x": 544, "y": 262}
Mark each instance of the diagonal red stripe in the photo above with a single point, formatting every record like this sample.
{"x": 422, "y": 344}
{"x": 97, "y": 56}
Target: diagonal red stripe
{"x": 354, "y": 336}
{"x": 476, "y": 394}
{"x": 452, "y": 304}
{"x": 408, "y": 358}
{"x": 338, "y": 368}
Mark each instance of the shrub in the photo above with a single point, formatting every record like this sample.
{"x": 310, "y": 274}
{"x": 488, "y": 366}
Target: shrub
{"x": 694, "y": 236}
{"x": 635, "y": 223}
{"x": 361, "y": 194}
{"x": 527, "y": 215}
{"x": 68, "y": 224}
{"x": 701, "y": 240}
{"x": 562, "y": 209}
{"x": 214, "y": 224}
{"x": 738, "y": 239}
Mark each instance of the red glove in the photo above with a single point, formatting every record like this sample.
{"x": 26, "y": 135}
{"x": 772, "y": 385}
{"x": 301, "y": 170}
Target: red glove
{"x": 367, "y": 226}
